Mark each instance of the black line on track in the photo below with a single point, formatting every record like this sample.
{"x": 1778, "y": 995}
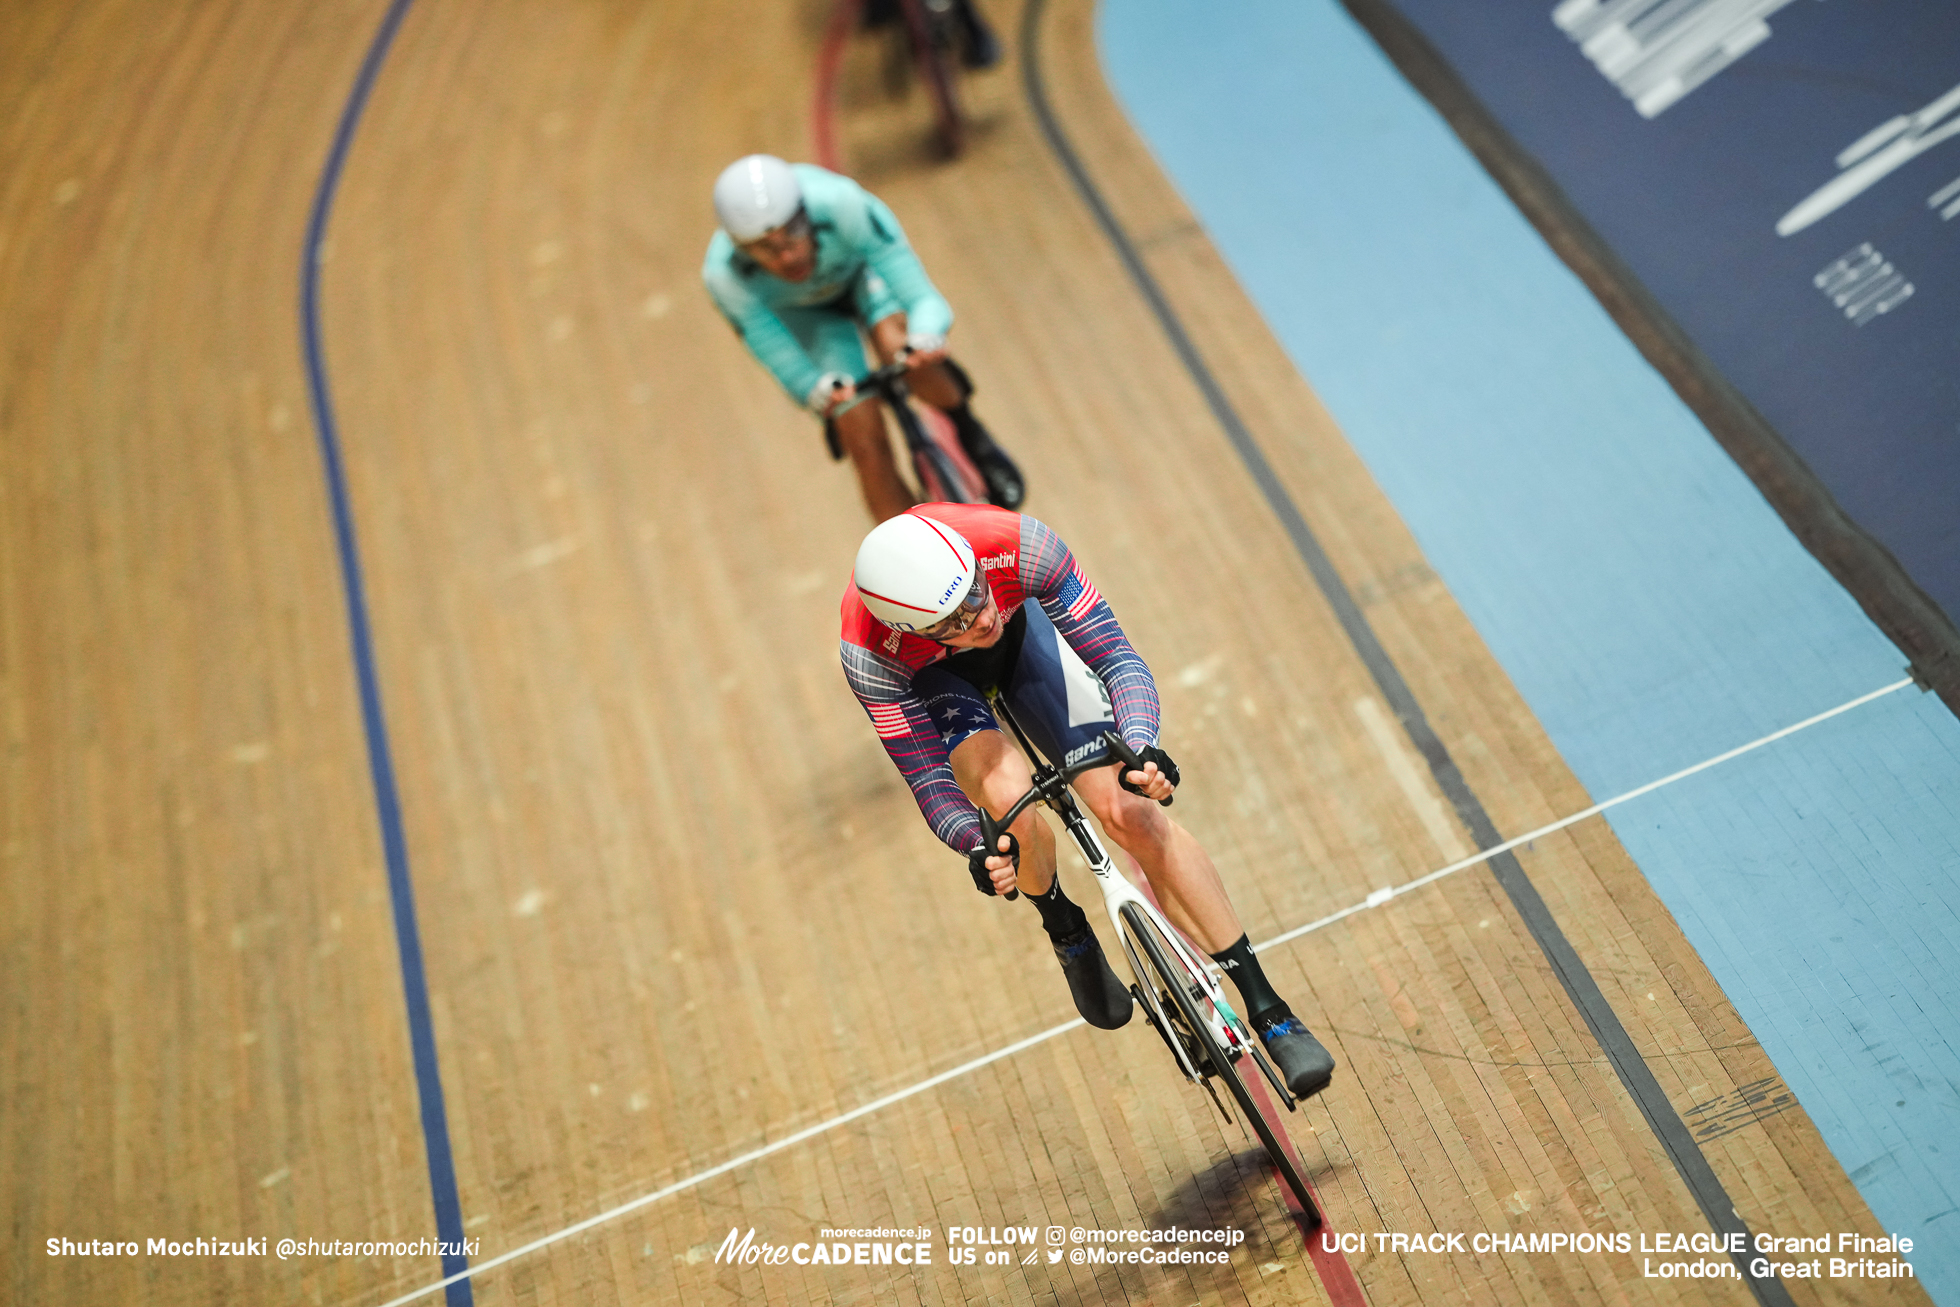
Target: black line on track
{"x": 1579, "y": 984}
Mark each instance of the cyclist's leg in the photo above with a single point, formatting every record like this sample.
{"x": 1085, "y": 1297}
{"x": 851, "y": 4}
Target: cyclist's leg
{"x": 945, "y": 386}
{"x": 1193, "y": 897}
{"x": 1179, "y": 870}
{"x": 831, "y": 339}
{"x": 980, "y": 48}
{"x": 987, "y": 767}
{"x": 862, "y": 434}
{"x": 1065, "y": 708}
{"x": 993, "y": 773}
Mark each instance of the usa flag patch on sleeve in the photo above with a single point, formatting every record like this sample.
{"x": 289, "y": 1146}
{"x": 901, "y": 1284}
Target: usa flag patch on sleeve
{"x": 889, "y": 720}
{"x": 1077, "y": 595}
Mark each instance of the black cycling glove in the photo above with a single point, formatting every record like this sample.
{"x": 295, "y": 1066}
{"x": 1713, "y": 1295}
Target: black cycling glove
{"x": 1149, "y": 753}
{"x": 976, "y": 863}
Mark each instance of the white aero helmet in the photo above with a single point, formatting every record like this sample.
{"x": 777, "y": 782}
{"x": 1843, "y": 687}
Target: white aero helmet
{"x": 912, "y": 572}
{"x": 755, "y": 195}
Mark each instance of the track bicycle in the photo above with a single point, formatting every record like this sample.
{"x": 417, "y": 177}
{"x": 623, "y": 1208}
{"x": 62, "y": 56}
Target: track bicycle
{"x": 946, "y": 475}
{"x": 934, "y": 49}
{"x": 934, "y": 34}
{"x": 1180, "y": 991}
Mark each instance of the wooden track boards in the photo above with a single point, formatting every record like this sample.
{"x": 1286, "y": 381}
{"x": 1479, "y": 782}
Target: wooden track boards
{"x": 675, "y": 902}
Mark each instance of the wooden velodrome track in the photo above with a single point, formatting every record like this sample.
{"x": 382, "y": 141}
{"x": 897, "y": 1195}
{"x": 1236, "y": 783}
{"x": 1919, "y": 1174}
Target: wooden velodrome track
{"x": 674, "y": 903}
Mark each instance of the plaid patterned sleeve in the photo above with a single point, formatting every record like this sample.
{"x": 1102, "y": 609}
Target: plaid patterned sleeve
{"x": 1049, "y": 572}
{"x": 884, "y": 687}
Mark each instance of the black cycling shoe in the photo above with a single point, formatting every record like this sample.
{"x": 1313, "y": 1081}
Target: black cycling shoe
{"x": 1303, "y": 1061}
{"x": 1005, "y": 488}
{"x": 1099, "y": 996}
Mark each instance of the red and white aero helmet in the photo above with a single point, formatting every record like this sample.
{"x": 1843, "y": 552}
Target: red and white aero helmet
{"x": 912, "y": 572}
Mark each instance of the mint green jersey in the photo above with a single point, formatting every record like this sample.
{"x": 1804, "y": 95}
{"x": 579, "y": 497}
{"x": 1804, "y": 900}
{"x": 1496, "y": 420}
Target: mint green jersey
{"x": 865, "y": 271}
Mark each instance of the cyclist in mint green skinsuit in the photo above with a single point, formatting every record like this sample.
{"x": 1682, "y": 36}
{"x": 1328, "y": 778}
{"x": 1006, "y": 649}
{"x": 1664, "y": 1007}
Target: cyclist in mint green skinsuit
{"x": 804, "y": 262}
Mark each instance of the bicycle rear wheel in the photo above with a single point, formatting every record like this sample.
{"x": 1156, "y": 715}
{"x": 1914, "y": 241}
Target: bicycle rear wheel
{"x": 1184, "y": 1000}
{"x": 934, "y": 50}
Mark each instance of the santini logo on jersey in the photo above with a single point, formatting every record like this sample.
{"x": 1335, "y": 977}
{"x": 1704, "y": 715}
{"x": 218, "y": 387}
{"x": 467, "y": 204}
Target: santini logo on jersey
{"x": 1081, "y": 751}
{"x": 998, "y": 560}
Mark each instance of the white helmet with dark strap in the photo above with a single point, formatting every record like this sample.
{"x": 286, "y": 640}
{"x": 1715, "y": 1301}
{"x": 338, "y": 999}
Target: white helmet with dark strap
{"x": 755, "y": 195}
{"x": 912, "y": 572}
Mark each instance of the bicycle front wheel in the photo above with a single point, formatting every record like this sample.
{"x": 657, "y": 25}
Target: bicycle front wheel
{"x": 938, "y": 457}
{"x": 1185, "y": 1001}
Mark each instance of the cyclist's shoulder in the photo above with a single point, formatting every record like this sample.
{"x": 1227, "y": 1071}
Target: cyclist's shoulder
{"x": 725, "y": 269}
{"x": 866, "y": 643}
{"x": 1001, "y": 537}
{"x": 838, "y": 204}
{"x": 825, "y": 191}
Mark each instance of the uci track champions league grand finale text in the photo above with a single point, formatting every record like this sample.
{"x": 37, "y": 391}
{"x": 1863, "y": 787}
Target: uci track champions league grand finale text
{"x": 1664, "y": 1255}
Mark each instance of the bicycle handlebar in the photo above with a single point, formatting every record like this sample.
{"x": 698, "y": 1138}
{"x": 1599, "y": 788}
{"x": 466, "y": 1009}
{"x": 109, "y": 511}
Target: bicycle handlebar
{"x": 1052, "y": 783}
{"x": 879, "y": 379}
{"x": 882, "y": 382}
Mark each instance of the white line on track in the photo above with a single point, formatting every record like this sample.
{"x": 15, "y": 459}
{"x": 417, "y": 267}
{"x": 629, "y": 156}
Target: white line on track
{"x": 1374, "y": 900}
{"x": 1383, "y": 895}
{"x": 734, "y": 1163}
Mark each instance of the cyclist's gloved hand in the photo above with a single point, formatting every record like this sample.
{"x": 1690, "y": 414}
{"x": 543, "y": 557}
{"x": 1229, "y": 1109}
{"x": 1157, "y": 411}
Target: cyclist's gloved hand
{"x": 976, "y": 864}
{"x": 1151, "y": 788}
{"x": 921, "y": 349}
{"x": 832, "y": 389}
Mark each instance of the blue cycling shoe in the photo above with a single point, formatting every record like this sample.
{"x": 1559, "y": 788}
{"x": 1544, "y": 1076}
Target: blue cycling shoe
{"x": 1303, "y": 1061}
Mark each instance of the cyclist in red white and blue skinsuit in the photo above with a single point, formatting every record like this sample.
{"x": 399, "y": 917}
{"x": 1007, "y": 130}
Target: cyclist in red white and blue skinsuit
{"x": 951, "y": 601}
{"x": 1022, "y": 560}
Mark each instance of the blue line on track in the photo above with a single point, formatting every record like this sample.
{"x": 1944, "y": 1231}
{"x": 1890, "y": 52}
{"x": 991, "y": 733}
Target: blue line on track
{"x": 387, "y": 802}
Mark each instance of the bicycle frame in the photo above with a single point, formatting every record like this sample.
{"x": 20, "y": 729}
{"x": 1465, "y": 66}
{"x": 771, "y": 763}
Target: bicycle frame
{"x": 1121, "y": 899}
{"x": 943, "y": 469}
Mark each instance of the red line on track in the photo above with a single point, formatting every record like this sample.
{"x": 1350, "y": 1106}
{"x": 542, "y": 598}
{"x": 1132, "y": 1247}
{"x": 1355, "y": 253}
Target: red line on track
{"x": 1336, "y": 1276}
{"x": 823, "y": 105}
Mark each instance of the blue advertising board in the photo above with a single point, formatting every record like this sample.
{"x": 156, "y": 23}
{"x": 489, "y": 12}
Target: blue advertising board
{"x": 1782, "y": 178}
